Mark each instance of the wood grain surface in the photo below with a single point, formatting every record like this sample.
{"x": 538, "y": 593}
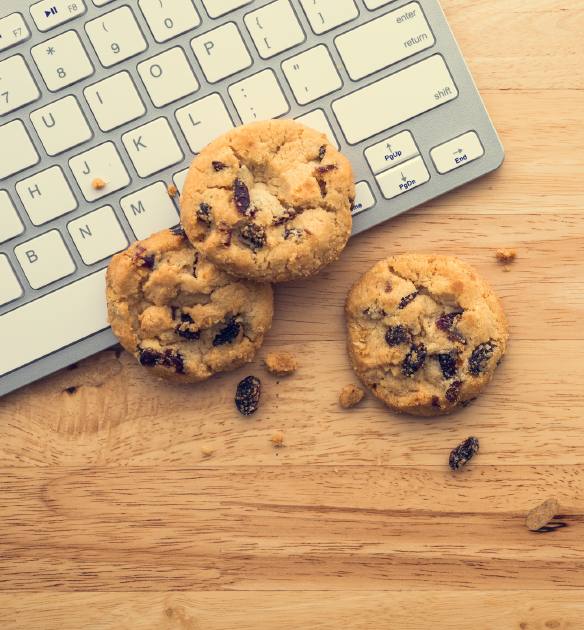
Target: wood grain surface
{"x": 113, "y": 518}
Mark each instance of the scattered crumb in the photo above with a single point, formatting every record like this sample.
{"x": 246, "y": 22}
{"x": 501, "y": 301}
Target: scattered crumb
{"x": 98, "y": 183}
{"x": 280, "y": 364}
{"x": 172, "y": 190}
{"x": 336, "y": 470}
{"x": 350, "y": 396}
{"x": 231, "y": 472}
{"x": 542, "y": 514}
{"x": 506, "y": 255}
{"x": 506, "y": 268}
{"x": 278, "y": 439}
{"x": 207, "y": 450}
{"x": 326, "y": 426}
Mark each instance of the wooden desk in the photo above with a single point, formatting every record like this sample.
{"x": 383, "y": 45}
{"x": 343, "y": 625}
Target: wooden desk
{"x": 112, "y": 517}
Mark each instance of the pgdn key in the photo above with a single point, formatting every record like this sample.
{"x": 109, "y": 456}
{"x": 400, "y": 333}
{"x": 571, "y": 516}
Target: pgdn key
{"x": 402, "y": 178}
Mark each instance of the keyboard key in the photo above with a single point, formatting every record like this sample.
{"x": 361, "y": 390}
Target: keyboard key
{"x": 13, "y": 30}
{"x": 17, "y": 87}
{"x": 10, "y": 223}
{"x": 375, "y": 4}
{"x": 22, "y": 153}
{"x": 152, "y": 147}
{"x": 410, "y": 92}
{"x": 150, "y": 210}
{"x": 221, "y": 52}
{"x": 10, "y": 288}
{"x": 324, "y": 15}
{"x": 364, "y": 198}
{"x": 46, "y": 195}
{"x": 45, "y": 259}
{"x": 317, "y": 120}
{"x": 61, "y": 125}
{"x": 312, "y": 74}
{"x": 101, "y": 162}
{"x": 259, "y": 97}
{"x": 391, "y": 151}
{"x": 385, "y": 41}
{"x": 62, "y": 61}
{"x": 203, "y": 121}
{"x": 402, "y": 178}
{"x": 50, "y": 13}
{"x": 274, "y": 28}
{"x": 98, "y": 235}
{"x": 116, "y": 36}
{"x": 86, "y": 314}
{"x": 114, "y": 101}
{"x": 457, "y": 152}
{"x": 169, "y": 19}
{"x": 101, "y": 3}
{"x": 217, "y": 8}
{"x": 168, "y": 77}
{"x": 180, "y": 178}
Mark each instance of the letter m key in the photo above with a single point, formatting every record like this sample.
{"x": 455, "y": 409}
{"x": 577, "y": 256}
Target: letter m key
{"x": 139, "y": 209}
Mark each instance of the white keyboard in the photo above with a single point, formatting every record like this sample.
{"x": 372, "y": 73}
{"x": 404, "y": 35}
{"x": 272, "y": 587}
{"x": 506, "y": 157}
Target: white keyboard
{"x": 127, "y": 91}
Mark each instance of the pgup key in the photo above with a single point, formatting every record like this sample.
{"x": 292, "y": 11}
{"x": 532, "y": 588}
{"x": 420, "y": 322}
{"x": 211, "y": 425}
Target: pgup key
{"x": 50, "y": 13}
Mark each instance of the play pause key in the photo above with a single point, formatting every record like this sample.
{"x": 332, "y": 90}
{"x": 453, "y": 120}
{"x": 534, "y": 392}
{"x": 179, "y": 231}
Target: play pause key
{"x": 50, "y": 13}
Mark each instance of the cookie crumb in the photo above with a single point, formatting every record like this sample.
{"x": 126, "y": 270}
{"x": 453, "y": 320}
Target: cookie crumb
{"x": 280, "y": 364}
{"x": 542, "y": 514}
{"x": 207, "y": 450}
{"x": 336, "y": 470}
{"x": 506, "y": 255}
{"x": 506, "y": 268}
{"x": 350, "y": 396}
{"x": 98, "y": 183}
{"x": 463, "y": 452}
{"x": 172, "y": 190}
{"x": 278, "y": 439}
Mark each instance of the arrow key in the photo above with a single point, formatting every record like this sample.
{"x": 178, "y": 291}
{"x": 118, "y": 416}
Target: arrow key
{"x": 50, "y": 13}
{"x": 458, "y": 152}
{"x": 402, "y": 178}
{"x": 391, "y": 152}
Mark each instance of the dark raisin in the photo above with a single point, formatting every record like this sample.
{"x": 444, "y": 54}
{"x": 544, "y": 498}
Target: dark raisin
{"x": 186, "y": 318}
{"x": 179, "y": 231}
{"x": 228, "y": 334}
{"x": 322, "y": 185}
{"x": 326, "y": 169}
{"x": 218, "y": 166}
{"x": 352, "y": 202}
{"x": 138, "y": 252}
{"x": 186, "y": 333}
{"x": 255, "y": 234}
{"x": 173, "y": 359}
{"x": 321, "y": 152}
{"x": 453, "y": 392}
{"x": 168, "y": 359}
{"x": 287, "y": 215}
{"x": 435, "y": 401}
{"x": 226, "y": 238}
{"x": 414, "y": 359}
{"x": 148, "y": 261}
{"x": 409, "y": 298}
{"x": 397, "y": 335}
{"x": 463, "y": 452}
{"x": 447, "y": 323}
{"x": 150, "y": 357}
{"x": 204, "y": 213}
{"x": 247, "y": 397}
{"x": 479, "y": 359}
{"x": 71, "y": 390}
{"x": 241, "y": 196}
{"x": 447, "y": 364}
{"x": 195, "y": 264}
{"x": 293, "y": 233}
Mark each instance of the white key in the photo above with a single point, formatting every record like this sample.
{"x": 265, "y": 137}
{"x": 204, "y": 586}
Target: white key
{"x": 221, "y": 52}
{"x": 364, "y": 198}
{"x": 457, "y": 152}
{"x": 259, "y": 97}
{"x": 168, "y": 77}
{"x": 203, "y": 121}
{"x": 10, "y": 223}
{"x": 180, "y": 178}
{"x": 62, "y": 60}
{"x": 390, "y": 152}
{"x": 13, "y": 30}
{"x": 102, "y": 162}
{"x": 22, "y": 153}
{"x": 17, "y": 87}
{"x": 116, "y": 36}
{"x": 10, "y": 288}
{"x": 385, "y": 41}
{"x": 45, "y": 259}
{"x": 150, "y": 210}
{"x": 217, "y": 8}
{"x": 61, "y": 125}
{"x": 114, "y": 101}
{"x": 169, "y": 18}
{"x": 318, "y": 120}
{"x": 395, "y": 99}
{"x": 50, "y": 13}
{"x": 402, "y": 178}
{"x": 324, "y": 15}
{"x": 312, "y": 74}
{"x": 86, "y": 314}
{"x": 97, "y": 235}
{"x": 101, "y": 3}
{"x": 46, "y": 195}
{"x": 375, "y": 4}
{"x": 152, "y": 147}
{"x": 274, "y": 28}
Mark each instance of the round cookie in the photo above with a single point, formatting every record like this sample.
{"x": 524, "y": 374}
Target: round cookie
{"x": 425, "y": 333}
{"x": 270, "y": 201}
{"x": 179, "y": 315}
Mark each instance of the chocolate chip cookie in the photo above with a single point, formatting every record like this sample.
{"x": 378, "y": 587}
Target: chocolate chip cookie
{"x": 270, "y": 201}
{"x": 425, "y": 333}
{"x": 179, "y": 315}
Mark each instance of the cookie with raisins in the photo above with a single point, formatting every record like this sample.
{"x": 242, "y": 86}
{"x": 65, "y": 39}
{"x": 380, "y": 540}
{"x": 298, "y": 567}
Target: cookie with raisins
{"x": 425, "y": 333}
{"x": 179, "y": 315}
{"x": 269, "y": 201}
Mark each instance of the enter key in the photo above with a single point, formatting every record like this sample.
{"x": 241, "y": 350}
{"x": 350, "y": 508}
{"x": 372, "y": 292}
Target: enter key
{"x": 457, "y": 152}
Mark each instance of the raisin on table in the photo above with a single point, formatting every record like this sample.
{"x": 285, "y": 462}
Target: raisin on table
{"x": 247, "y": 397}
{"x": 463, "y": 452}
